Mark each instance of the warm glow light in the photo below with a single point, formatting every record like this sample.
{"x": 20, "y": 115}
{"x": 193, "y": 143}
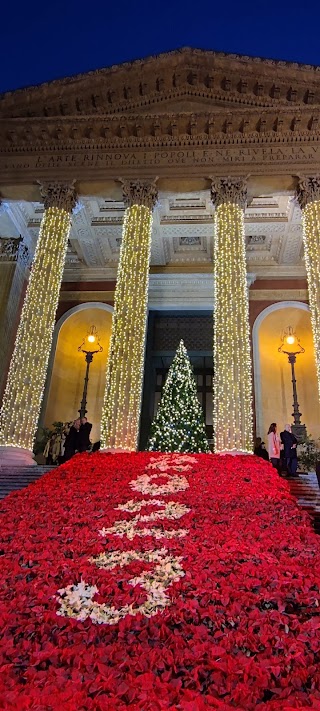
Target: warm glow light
{"x": 290, "y": 340}
{"x": 91, "y": 339}
{"x": 28, "y": 367}
{"x": 121, "y": 411}
{"x": 231, "y": 350}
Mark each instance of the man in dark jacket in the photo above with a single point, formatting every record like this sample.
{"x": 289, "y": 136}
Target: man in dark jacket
{"x": 84, "y": 435}
{"x": 289, "y": 442}
{"x": 72, "y": 440}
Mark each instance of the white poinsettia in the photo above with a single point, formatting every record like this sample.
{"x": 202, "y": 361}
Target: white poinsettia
{"x": 144, "y": 484}
{"x": 133, "y": 505}
{"x": 77, "y": 600}
{"x": 172, "y": 510}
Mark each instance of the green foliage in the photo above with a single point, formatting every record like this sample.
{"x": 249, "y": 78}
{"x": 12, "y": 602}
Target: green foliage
{"x": 58, "y": 427}
{"x": 44, "y": 434}
{"x": 308, "y": 454}
{"x": 178, "y": 425}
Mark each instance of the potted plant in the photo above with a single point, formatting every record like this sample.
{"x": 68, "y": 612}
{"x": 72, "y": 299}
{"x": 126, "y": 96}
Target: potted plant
{"x": 309, "y": 456}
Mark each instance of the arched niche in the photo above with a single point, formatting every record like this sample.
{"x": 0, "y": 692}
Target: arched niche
{"x": 272, "y": 372}
{"x": 67, "y": 366}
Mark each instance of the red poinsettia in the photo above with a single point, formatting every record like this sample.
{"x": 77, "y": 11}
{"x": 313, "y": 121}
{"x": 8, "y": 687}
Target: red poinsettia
{"x": 150, "y": 581}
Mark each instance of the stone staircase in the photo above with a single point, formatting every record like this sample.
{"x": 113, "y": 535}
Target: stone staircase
{"x": 306, "y": 490}
{"x": 15, "y": 478}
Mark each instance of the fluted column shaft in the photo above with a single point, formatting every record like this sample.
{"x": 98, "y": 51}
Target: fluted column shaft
{"x": 232, "y": 397}
{"x": 308, "y": 195}
{"x": 122, "y": 403}
{"x": 28, "y": 367}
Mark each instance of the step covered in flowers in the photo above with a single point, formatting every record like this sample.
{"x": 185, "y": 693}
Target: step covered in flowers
{"x": 159, "y": 581}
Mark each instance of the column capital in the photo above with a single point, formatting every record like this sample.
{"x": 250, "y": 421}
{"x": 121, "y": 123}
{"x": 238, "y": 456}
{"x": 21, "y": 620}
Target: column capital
{"x": 308, "y": 190}
{"x": 232, "y": 190}
{"x": 139, "y": 192}
{"x": 62, "y": 195}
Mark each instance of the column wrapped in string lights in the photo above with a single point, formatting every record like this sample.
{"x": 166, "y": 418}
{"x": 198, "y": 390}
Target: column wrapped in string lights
{"x": 28, "y": 367}
{"x": 308, "y": 195}
{"x": 232, "y": 397}
{"x": 122, "y": 403}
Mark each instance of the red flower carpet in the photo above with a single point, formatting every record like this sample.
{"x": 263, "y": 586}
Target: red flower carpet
{"x": 151, "y": 581}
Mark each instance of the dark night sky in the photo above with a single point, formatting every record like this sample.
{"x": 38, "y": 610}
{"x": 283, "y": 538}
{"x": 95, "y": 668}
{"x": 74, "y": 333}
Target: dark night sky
{"x": 40, "y": 41}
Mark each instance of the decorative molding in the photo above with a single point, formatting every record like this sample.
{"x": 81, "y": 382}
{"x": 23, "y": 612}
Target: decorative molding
{"x": 233, "y": 190}
{"x": 9, "y": 249}
{"x": 308, "y": 190}
{"x": 184, "y": 291}
{"x": 84, "y": 274}
{"x": 165, "y": 289}
{"x": 278, "y": 295}
{"x": 61, "y": 195}
{"x": 38, "y": 135}
{"x": 86, "y": 296}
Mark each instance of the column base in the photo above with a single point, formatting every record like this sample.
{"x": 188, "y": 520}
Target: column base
{"x": 300, "y": 432}
{"x": 16, "y": 457}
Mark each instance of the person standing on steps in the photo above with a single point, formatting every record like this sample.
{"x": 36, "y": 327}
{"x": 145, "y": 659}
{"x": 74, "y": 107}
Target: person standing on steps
{"x": 72, "y": 440}
{"x": 260, "y": 449}
{"x": 274, "y": 446}
{"x": 289, "y": 442}
{"x": 84, "y": 435}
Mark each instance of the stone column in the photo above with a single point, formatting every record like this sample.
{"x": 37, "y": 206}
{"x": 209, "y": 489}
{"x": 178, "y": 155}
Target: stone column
{"x": 27, "y": 372}
{"x": 308, "y": 195}
{"x": 11, "y": 308}
{"x": 122, "y": 403}
{"x": 232, "y": 398}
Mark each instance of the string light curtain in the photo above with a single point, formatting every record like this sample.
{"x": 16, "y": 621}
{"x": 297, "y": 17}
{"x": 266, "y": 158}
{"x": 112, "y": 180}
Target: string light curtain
{"x": 122, "y": 403}
{"x": 308, "y": 195}
{"x": 232, "y": 396}
{"x": 28, "y": 367}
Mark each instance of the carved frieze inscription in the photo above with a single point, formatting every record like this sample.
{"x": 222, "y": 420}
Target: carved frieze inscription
{"x": 109, "y": 161}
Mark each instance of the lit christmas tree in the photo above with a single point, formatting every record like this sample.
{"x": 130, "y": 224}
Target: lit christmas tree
{"x": 179, "y": 425}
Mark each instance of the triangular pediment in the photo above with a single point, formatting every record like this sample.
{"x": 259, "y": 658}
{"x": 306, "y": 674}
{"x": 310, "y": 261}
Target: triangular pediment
{"x": 187, "y": 80}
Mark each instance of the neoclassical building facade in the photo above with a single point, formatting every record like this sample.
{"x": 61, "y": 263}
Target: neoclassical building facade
{"x": 153, "y": 199}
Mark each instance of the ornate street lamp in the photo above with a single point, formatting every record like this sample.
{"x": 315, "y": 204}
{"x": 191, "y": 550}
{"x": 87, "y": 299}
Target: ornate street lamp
{"x": 91, "y": 341}
{"x": 291, "y": 346}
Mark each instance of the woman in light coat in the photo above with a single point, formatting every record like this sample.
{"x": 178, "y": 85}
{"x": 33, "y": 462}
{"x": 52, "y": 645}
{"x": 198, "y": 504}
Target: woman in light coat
{"x": 274, "y": 446}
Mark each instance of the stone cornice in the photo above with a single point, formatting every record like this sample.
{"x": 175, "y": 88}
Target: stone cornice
{"x": 228, "y": 77}
{"x": 161, "y": 129}
{"x": 181, "y": 52}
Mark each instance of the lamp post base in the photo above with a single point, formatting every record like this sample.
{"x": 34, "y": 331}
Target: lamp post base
{"x": 16, "y": 457}
{"x": 300, "y": 432}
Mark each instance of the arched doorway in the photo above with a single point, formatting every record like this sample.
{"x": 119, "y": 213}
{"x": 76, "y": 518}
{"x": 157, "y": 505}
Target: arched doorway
{"x": 67, "y": 366}
{"x": 272, "y": 373}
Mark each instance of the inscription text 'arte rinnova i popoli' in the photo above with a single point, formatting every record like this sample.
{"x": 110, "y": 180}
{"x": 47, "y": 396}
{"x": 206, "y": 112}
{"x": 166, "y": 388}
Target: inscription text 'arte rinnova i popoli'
{"x": 111, "y": 159}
